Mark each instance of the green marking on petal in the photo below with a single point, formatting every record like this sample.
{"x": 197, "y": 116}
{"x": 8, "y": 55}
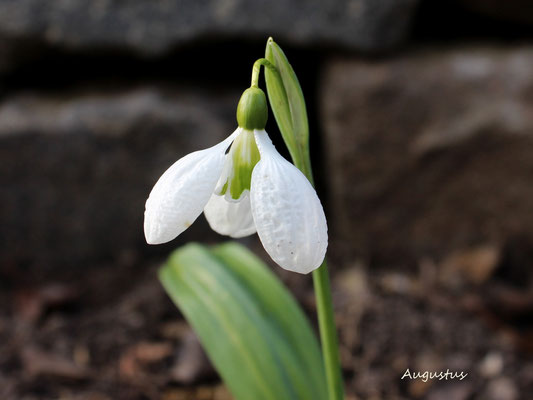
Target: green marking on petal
{"x": 224, "y": 189}
{"x": 244, "y": 155}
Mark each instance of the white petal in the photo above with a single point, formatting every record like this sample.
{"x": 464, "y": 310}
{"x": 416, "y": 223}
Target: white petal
{"x": 287, "y": 213}
{"x": 229, "y": 217}
{"x": 181, "y": 193}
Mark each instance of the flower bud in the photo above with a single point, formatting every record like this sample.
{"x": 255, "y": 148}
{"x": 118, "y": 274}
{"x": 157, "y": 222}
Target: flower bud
{"x": 252, "y": 111}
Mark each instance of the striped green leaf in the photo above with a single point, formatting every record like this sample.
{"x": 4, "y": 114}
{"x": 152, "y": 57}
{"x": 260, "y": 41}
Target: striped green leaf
{"x": 252, "y": 329}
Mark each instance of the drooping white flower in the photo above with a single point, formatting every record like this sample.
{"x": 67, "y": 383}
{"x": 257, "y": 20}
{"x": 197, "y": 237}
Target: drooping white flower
{"x": 251, "y": 188}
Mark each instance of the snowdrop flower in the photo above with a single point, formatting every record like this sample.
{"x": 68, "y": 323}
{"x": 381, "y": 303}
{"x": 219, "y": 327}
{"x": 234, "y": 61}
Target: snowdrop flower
{"x": 250, "y": 188}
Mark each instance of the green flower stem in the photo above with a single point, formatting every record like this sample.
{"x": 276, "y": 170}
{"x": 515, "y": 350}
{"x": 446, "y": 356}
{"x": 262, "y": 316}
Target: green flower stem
{"x": 326, "y": 317}
{"x": 257, "y": 68}
{"x": 328, "y": 332}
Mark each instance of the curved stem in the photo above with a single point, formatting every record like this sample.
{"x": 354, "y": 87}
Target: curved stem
{"x": 257, "y": 68}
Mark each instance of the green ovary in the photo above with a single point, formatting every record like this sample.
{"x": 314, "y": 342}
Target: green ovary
{"x": 243, "y": 154}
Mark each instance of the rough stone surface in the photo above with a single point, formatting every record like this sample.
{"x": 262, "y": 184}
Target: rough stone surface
{"x": 149, "y": 26}
{"x": 431, "y": 151}
{"x": 512, "y": 10}
{"x": 77, "y": 168}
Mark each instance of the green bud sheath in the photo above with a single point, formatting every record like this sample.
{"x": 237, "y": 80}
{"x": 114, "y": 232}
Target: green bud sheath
{"x": 252, "y": 111}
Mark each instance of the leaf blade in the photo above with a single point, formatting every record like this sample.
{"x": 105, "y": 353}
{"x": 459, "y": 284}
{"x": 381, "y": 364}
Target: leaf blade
{"x": 240, "y": 331}
{"x": 275, "y": 297}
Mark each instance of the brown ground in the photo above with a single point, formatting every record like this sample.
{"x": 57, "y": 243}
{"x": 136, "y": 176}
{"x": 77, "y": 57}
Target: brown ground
{"x": 106, "y": 337}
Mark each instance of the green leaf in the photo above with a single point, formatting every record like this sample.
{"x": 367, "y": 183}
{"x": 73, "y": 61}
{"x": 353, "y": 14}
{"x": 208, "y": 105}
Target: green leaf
{"x": 252, "y": 329}
{"x": 287, "y": 103}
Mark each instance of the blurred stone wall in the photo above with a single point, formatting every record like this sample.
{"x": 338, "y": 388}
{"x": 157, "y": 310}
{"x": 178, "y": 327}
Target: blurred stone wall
{"x": 430, "y": 151}
{"x": 422, "y": 130}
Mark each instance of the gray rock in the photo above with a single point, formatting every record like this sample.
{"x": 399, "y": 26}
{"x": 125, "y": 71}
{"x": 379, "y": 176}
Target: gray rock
{"x": 77, "y": 168}
{"x": 431, "y": 151}
{"x": 510, "y": 10}
{"x": 152, "y": 27}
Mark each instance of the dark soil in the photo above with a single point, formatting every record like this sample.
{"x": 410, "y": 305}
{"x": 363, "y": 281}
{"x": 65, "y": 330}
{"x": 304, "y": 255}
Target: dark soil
{"x": 112, "y": 333}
